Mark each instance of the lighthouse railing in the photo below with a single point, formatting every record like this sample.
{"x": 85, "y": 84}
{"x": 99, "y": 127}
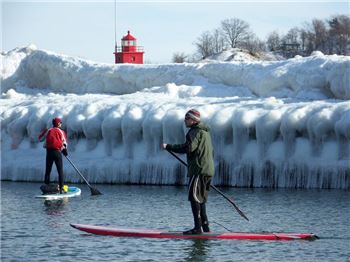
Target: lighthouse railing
{"x": 121, "y": 49}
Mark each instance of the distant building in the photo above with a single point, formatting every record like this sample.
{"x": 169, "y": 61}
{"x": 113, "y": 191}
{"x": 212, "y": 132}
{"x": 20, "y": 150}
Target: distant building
{"x": 290, "y": 46}
{"x": 129, "y": 52}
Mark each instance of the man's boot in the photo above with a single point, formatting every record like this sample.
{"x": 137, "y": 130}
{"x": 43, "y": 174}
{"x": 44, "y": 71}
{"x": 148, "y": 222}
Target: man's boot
{"x": 205, "y": 227}
{"x": 197, "y": 220}
{"x": 193, "y": 231}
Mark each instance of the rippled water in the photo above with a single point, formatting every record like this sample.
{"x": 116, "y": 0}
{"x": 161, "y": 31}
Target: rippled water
{"x": 34, "y": 230}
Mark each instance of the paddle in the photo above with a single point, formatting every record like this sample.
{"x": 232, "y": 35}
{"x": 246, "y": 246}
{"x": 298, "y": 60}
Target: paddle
{"x": 94, "y": 191}
{"x": 217, "y": 190}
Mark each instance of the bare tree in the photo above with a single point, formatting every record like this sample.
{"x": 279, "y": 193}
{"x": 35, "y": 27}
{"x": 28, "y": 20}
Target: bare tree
{"x": 316, "y": 37}
{"x": 309, "y": 39}
{"x": 292, "y": 36}
{"x": 290, "y": 44}
{"x": 340, "y": 33}
{"x": 218, "y": 41}
{"x": 236, "y": 31}
{"x": 321, "y": 34}
{"x": 273, "y": 41}
{"x": 205, "y": 45}
{"x": 254, "y": 45}
{"x": 179, "y": 57}
{"x": 303, "y": 39}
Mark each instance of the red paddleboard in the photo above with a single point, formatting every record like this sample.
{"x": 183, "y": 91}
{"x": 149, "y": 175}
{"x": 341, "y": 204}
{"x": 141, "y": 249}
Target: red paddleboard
{"x": 122, "y": 232}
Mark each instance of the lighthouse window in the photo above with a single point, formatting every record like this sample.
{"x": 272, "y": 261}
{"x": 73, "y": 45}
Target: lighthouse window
{"x": 133, "y": 58}
{"x": 128, "y": 43}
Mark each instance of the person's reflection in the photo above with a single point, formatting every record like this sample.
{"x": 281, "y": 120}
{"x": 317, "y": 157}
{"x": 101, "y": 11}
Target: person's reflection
{"x": 198, "y": 250}
{"x": 55, "y": 207}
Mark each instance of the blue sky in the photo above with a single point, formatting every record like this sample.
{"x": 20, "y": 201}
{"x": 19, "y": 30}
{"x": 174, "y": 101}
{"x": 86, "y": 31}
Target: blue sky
{"x": 86, "y": 29}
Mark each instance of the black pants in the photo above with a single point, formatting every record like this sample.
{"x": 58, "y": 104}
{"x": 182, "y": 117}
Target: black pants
{"x": 199, "y": 212}
{"x": 198, "y": 196}
{"x": 54, "y": 156}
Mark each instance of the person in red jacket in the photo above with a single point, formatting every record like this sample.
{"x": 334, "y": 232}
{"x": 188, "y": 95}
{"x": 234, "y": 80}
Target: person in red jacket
{"x": 55, "y": 143}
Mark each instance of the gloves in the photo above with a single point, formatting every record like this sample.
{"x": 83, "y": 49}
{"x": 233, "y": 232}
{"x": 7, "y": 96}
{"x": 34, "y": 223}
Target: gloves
{"x": 64, "y": 152}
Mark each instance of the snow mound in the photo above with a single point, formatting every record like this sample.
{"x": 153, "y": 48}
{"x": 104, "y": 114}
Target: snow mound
{"x": 315, "y": 77}
{"x": 242, "y": 55}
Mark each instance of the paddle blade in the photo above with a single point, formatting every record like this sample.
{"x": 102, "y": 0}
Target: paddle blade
{"x": 237, "y": 209}
{"x": 242, "y": 214}
{"x": 95, "y": 192}
{"x": 231, "y": 201}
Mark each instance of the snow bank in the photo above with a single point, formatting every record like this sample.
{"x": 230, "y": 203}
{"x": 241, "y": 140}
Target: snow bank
{"x": 300, "y": 141}
{"x": 314, "y": 77}
{"x": 242, "y": 55}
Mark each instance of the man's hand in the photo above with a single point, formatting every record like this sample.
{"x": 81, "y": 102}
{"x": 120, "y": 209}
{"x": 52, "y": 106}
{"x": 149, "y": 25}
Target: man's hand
{"x": 163, "y": 146}
{"x": 65, "y": 152}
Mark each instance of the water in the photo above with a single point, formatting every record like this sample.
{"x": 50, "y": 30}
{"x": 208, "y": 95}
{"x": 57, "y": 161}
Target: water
{"x": 34, "y": 230}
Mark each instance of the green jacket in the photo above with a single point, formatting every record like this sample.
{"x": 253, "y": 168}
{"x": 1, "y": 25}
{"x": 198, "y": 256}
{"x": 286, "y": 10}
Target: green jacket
{"x": 199, "y": 150}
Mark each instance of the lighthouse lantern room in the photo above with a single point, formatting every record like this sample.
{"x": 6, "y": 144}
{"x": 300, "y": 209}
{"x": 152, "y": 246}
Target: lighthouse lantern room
{"x": 129, "y": 52}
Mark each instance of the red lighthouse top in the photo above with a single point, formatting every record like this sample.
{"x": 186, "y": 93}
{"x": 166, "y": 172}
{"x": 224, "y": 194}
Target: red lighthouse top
{"x": 128, "y": 43}
{"x": 128, "y": 37}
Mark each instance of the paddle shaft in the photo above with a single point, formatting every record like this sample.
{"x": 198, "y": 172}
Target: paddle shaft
{"x": 94, "y": 191}
{"x": 215, "y": 188}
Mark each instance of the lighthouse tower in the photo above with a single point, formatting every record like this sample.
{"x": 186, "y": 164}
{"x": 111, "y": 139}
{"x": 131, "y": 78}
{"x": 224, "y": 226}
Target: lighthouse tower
{"x": 129, "y": 52}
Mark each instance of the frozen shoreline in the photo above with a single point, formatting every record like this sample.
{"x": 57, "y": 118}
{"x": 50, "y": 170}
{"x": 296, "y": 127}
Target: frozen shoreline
{"x": 286, "y": 130}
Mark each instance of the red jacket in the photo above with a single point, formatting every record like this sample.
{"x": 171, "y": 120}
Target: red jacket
{"x": 56, "y": 138}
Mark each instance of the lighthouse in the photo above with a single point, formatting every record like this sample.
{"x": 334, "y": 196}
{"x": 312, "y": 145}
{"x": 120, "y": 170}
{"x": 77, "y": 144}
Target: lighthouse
{"x": 129, "y": 52}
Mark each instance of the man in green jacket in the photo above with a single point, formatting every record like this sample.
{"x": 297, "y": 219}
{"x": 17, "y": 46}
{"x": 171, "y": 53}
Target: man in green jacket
{"x": 200, "y": 160}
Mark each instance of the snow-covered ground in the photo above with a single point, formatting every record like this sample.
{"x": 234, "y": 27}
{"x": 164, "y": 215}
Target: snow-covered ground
{"x": 274, "y": 123}
{"x": 241, "y": 55}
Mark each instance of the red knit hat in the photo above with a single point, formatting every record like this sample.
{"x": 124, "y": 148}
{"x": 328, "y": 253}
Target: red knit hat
{"x": 194, "y": 115}
{"x": 56, "y": 121}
